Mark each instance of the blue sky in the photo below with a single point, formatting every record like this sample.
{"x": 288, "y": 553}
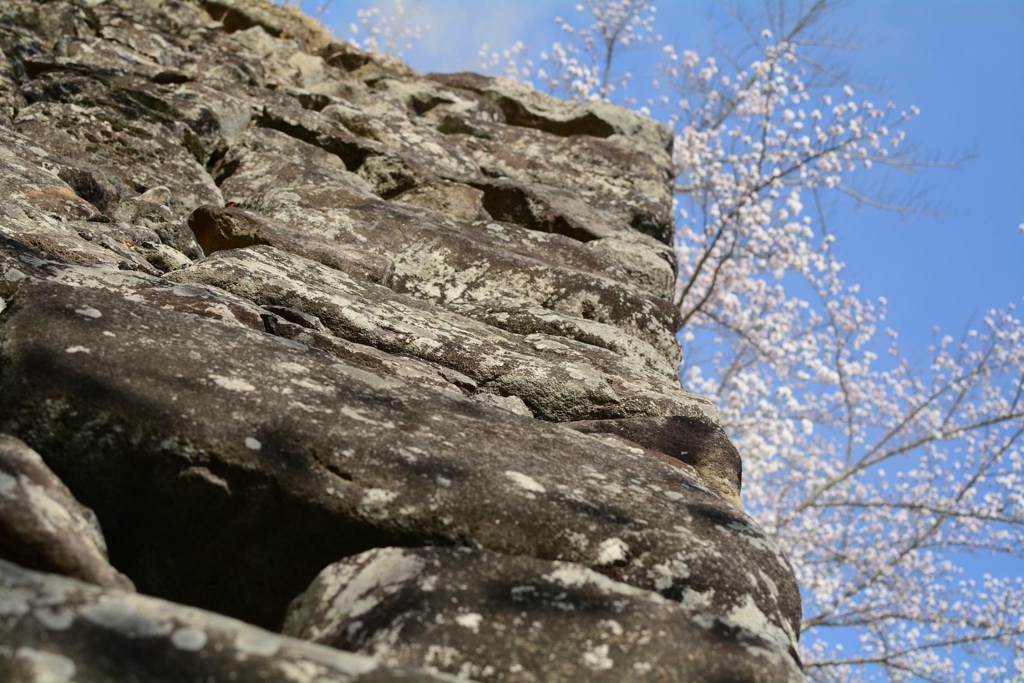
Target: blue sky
{"x": 960, "y": 62}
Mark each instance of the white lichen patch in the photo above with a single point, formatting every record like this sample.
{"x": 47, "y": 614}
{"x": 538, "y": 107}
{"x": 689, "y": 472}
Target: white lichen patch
{"x": 77, "y": 349}
{"x": 311, "y": 385}
{"x": 611, "y": 551}
{"x": 613, "y": 489}
{"x": 573, "y": 575}
{"x": 124, "y": 619}
{"x": 231, "y": 383}
{"x": 597, "y": 659}
{"x": 46, "y": 667}
{"x": 410, "y": 454}
{"x": 377, "y": 497}
{"x": 668, "y": 572}
{"x": 543, "y": 342}
{"x": 253, "y": 443}
{"x": 614, "y": 627}
{"x": 8, "y": 484}
{"x": 291, "y": 368}
{"x": 696, "y": 599}
{"x": 773, "y": 588}
{"x": 472, "y": 671}
{"x": 525, "y": 482}
{"x": 257, "y": 643}
{"x": 357, "y": 415}
{"x": 15, "y": 601}
{"x": 749, "y": 616}
{"x": 88, "y": 312}
{"x": 470, "y": 621}
{"x": 577, "y": 540}
{"x": 189, "y": 639}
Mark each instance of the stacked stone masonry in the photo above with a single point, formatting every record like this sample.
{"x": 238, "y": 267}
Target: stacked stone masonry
{"x": 315, "y": 368}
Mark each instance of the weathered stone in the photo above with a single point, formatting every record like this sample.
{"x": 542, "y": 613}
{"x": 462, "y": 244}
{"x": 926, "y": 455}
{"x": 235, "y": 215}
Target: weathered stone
{"x": 157, "y": 149}
{"x": 558, "y": 379}
{"x": 301, "y": 185}
{"x": 51, "y": 240}
{"x": 618, "y": 184}
{"x": 278, "y": 21}
{"x": 698, "y": 442}
{"x": 311, "y": 459}
{"x": 548, "y": 209}
{"x": 420, "y": 145}
{"x": 527, "y": 320}
{"x": 455, "y": 200}
{"x": 432, "y": 101}
{"x": 22, "y": 263}
{"x": 390, "y": 175}
{"x": 284, "y": 115}
{"x": 59, "y": 629}
{"x": 163, "y": 257}
{"x": 219, "y": 228}
{"x": 24, "y": 181}
{"x": 93, "y": 184}
{"x": 499, "y": 618}
{"x": 522, "y": 106}
{"x": 412, "y": 370}
{"x": 650, "y": 265}
{"x": 266, "y": 160}
{"x": 11, "y": 100}
{"x": 43, "y": 527}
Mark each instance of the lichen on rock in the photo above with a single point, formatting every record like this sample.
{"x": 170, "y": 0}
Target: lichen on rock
{"x": 292, "y": 334}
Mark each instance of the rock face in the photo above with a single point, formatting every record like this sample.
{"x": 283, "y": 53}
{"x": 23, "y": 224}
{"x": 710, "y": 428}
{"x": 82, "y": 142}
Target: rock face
{"x": 58, "y": 629}
{"x": 382, "y": 359}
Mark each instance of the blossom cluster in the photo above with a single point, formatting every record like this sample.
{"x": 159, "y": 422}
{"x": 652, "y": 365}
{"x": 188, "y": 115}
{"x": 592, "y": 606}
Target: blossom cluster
{"x": 392, "y": 30}
{"x": 580, "y": 67}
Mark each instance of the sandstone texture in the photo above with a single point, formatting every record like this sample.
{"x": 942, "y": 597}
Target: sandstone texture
{"x": 297, "y": 344}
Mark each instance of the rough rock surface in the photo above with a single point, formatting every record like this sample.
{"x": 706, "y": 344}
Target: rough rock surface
{"x": 270, "y": 305}
{"x": 485, "y": 616}
{"x": 59, "y": 629}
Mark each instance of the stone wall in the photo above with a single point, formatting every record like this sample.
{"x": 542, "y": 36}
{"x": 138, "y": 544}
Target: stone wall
{"x": 352, "y": 373}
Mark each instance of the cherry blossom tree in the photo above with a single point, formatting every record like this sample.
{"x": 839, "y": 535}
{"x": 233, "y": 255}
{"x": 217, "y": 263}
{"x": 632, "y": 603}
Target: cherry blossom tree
{"x": 889, "y": 484}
